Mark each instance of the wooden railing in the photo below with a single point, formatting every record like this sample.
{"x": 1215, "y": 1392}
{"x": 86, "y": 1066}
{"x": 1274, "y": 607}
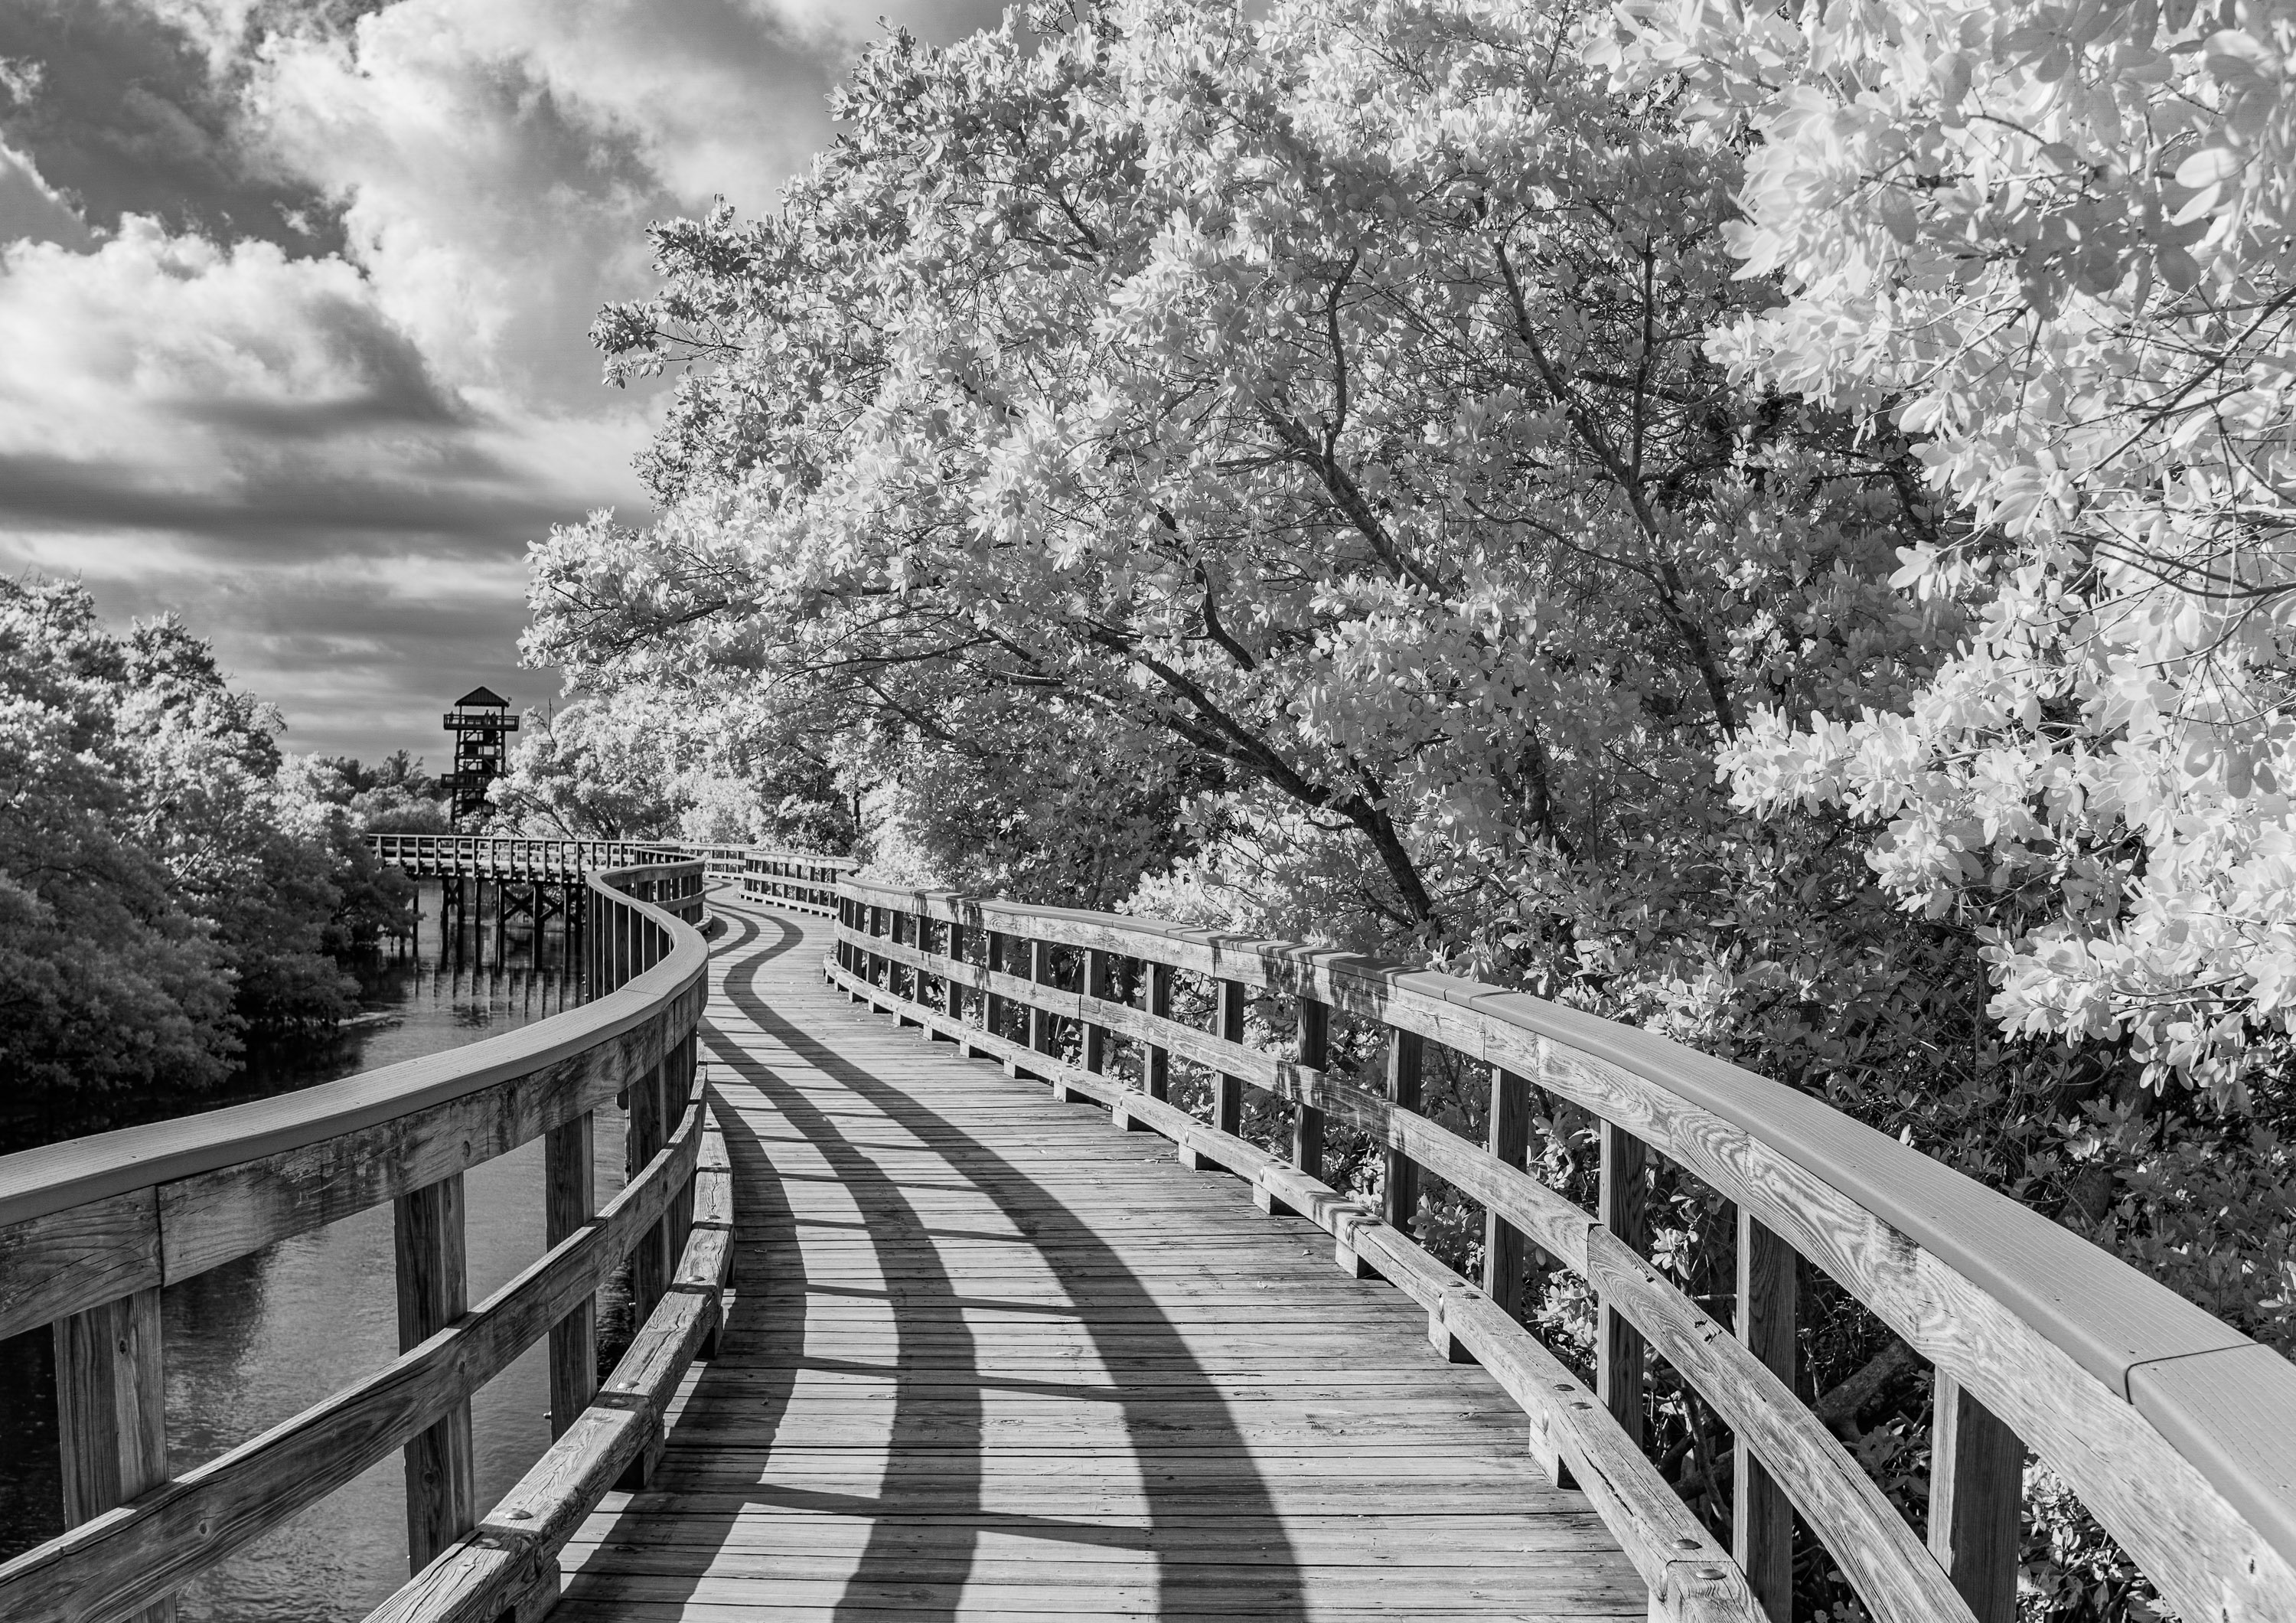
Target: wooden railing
{"x": 92, "y": 1230}
{"x": 797, "y": 879}
{"x": 2176, "y": 1431}
{"x": 512, "y": 857}
{"x": 724, "y": 861}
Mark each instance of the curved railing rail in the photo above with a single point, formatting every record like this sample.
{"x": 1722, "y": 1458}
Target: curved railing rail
{"x": 798, "y": 879}
{"x": 91, "y": 1230}
{"x": 515, "y": 857}
{"x": 2178, "y": 1433}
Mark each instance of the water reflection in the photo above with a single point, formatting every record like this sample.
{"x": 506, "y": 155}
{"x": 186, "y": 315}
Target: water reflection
{"x": 256, "y": 1341}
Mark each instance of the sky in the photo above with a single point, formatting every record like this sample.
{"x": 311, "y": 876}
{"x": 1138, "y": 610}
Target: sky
{"x": 293, "y": 297}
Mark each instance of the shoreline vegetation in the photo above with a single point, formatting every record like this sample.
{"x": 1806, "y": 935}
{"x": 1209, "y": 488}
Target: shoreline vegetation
{"x": 178, "y": 896}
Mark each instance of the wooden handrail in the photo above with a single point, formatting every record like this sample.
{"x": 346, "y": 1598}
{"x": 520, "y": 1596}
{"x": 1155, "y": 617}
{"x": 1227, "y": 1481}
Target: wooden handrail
{"x": 92, "y": 1229}
{"x": 805, "y": 880}
{"x": 507, "y": 1565}
{"x": 2176, "y": 1432}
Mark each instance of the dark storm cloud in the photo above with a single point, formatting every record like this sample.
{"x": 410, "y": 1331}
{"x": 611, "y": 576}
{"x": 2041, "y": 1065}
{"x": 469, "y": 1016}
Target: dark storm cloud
{"x": 129, "y": 118}
{"x": 293, "y": 297}
{"x": 283, "y": 506}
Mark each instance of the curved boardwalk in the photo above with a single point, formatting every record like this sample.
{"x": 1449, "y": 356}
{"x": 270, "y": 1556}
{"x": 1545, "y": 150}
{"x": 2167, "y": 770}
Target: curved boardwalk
{"x": 989, "y": 1357}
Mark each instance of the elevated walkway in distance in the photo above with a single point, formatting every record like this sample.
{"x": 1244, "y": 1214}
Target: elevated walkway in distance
{"x": 989, "y": 1357}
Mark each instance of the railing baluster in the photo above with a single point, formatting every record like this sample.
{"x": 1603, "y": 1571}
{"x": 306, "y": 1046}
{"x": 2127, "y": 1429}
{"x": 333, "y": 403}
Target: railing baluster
{"x": 1977, "y": 1470}
{"x": 1043, "y": 1029}
{"x": 997, "y": 944}
{"x": 433, "y": 1291}
{"x": 1159, "y": 1065}
{"x": 1312, "y": 1050}
{"x": 1227, "y": 1099}
{"x": 111, "y": 1394}
{"x": 1504, "y": 1251}
{"x": 1095, "y": 985}
{"x": 1620, "y": 1354}
{"x": 1405, "y": 1052}
{"x": 1762, "y": 1524}
{"x": 953, "y": 990}
{"x": 569, "y": 1171}
{"x": 642, "y": 1141}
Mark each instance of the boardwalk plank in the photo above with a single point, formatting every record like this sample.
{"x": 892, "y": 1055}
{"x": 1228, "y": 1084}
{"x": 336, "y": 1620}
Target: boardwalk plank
{"x": 987, "y": 1357}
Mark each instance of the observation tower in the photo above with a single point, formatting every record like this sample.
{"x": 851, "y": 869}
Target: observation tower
{"x": 482, "y": 723}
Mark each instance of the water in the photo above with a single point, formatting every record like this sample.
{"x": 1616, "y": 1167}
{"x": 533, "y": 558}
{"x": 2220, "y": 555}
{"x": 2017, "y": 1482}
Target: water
{"x": 257, "y": 1340}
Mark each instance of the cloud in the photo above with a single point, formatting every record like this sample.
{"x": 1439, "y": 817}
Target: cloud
{"x": 293, "y": 297}
{"x": 33, "y": 211}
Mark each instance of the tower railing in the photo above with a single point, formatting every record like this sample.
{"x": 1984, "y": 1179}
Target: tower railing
{"x": 93, "y": 1230}
{"x": 2175, "y": 1430}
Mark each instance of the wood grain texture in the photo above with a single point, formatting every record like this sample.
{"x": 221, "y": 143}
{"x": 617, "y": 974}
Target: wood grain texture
{"x": 510, "y": 1559}
{"x": 1504, "y": 1257}
{"x": 111, "y": 1568}
{"x": 1894, "y": 1574}
{"x": 217, "y": 1216}
{"x": 78, "y": 1258}
{"x": 433, "y": 1284}
{"x": 1976, "y": 1492}
{"x": 111, "y": 1391}
{"x": 570, "y": 1200}
{"x": 1762, "y": 1516}
{"x": 1621, "y": 1358}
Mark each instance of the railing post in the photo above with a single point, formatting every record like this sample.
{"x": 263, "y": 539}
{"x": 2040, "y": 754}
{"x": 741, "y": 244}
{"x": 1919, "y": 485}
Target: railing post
{"x": 111, "y": 1394}
{"x": 1405, "y": 1053}
{"x": 1314, "y": 1041}
{"x": 1095, "y": 985}
{"x": 1620, "y": 1355}
{"x": 1042, "y": 1029}
{"x": 1227, "y": 1096}
{"x": 1158, "y": 1078}
{"x": 952, "y": 988}
{"x": 641, "y": 1141}
{"x": 1228, "y": 1091}
{"x": 433, "y": 1291}
{"x": 570, "y": 1172}
{"x": 1977, "y": 1470}
{"x": 997, "y": 943}
{"x": 1761, "y": 1532}
{"x": 1504, "y": 1251}
{"x": 902, "y": 982}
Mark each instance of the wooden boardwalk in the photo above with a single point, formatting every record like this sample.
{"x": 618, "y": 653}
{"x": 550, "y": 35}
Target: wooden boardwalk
{"x": 988, "y": 1358}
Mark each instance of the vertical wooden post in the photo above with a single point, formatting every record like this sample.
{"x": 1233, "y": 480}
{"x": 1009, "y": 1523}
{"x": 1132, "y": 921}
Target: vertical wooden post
{"x": 1313, "y": 1052}
{"x": 569, "y": 1173}
{"x": 1503, "y": 1252}
{"x": 112, "y": 1417}
{"x": 1227, "y": 1095}
{"x": 433, "y": 1291}
{"x": 1095, "y": 985}
{"x": 677, "y": 1097}
{"x": 1158, "y": 1078}
{"x": 995, "y": 1018}
{"x": 642, "y": 1141}
{"x": 1620, "y": 1355}
{"x": 1761, "y": 1532}
{"x": 955, "y": 989}
{"x": 1044, "y": 1031}
{"x": 1405, "y": 1051}
{"x": 1976, "y": 1480}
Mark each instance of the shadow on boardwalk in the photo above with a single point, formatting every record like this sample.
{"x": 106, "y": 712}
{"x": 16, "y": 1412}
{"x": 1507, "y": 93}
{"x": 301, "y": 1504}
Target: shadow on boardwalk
{"x": 927, "y": 1517}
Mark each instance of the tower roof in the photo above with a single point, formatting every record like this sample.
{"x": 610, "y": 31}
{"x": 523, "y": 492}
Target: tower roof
{"x": 483, "y": 695}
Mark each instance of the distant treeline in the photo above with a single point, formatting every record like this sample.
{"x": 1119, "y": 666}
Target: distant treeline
{"x": 172, "y": 883}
